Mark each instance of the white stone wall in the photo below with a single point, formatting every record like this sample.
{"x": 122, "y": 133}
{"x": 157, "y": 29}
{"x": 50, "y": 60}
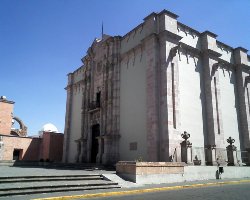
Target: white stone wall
{"x": 228, "y": 105}
{"x": 133, "y": 108}
{"x": 152, "y": 112}
{"x": 78, "y": 75}
{"x": 227, "y": 52}
{"x": 75, "y": 126}
{"x": 247, "y": 99}
{"x": 189, "y": 36}
{"x": 191, "y": 98}
{"x": 133, "y": 38}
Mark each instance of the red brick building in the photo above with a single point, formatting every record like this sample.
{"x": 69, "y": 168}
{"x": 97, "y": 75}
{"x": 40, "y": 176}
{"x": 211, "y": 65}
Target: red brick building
{"x": 16, "y": 145}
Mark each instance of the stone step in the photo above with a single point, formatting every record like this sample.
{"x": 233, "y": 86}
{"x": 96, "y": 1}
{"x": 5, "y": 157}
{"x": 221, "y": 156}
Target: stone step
{"x": 4, "y": 180}
{"x": 49, "y": 176}
{"x": 21, "y": 185}
{"x": 58, "y": 188}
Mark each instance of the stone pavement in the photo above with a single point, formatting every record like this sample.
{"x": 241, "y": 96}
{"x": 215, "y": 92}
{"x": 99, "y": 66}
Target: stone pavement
{"x": 39, "y": 171}
{"x": 126, "y": 186}
{"x": 37, "y": 179}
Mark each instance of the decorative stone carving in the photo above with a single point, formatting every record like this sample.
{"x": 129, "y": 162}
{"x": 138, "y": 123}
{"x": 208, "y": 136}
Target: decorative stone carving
{"x": 231, "y": 152}
{"x": 173, "y": 52}
{"x": 186, "y": 148}
{"x": 196, "y": 160}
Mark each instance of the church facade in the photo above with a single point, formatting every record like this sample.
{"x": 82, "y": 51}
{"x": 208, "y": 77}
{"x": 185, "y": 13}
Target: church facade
{"x": 162, "y": 92}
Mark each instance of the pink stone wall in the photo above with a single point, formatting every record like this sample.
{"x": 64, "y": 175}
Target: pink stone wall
{"x": 6, "y": 110}
{"x": 30, "y": 148}
{"x": 55, "y": 146}
{"x": 50, "y": 147}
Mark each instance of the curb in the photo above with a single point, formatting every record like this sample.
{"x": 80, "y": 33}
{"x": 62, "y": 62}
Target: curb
{"x": 127, "y": 192}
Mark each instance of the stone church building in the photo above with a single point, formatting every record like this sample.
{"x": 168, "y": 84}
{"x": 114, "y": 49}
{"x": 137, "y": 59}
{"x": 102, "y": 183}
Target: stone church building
{"x": 162, "y": 92}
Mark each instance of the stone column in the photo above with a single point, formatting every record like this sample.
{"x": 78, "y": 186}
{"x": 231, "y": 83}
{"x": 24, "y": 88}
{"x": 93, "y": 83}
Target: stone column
{"x": 169, "y": 87}
{"x": 214, "y": 134}
{"x": 242, "y": 86}
{"x": 153, "y": 132}
{"x": 67, "y": 130}
{"x": 84, "y": 115}
{"x": 78, "y": 146}
{"x": 111, "y": 149}
{"x": 83, "y": 154}
{"x": 162, "y": 68}
{"x": 189, "y": 154}
{"x": 100, "y": 148}
{"x": 211, "y": 155}
{"x": 248, "y": 156}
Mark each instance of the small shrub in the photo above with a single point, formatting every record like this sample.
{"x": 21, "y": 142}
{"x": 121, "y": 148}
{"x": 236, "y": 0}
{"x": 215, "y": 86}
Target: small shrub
{"x": 140, "y": 159}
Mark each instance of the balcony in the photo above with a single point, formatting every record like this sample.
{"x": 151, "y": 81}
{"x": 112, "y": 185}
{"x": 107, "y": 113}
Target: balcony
{"x": 94, "y": 105}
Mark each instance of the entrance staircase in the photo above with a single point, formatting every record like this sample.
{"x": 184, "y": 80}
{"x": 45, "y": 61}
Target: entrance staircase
{"x": 23, "y": 185}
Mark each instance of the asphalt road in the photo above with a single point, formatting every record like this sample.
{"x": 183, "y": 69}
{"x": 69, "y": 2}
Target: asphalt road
{"x": 224, "y": 192}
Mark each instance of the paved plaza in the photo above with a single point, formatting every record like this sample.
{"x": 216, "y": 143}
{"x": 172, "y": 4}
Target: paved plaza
{"x": 194, "y": 187}
{"x": 39, "y": 171}
{"x": 39, "y": 179}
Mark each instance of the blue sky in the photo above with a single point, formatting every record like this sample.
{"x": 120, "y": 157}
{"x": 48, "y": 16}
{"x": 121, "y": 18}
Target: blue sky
{"x": 43, "y": 40}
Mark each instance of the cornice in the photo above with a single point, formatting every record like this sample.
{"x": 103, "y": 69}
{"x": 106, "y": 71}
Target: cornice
{"x": 173, "y": 15}
{"x": 209, "y": 33}
{"x": 6, "y": 101}
{"x": 189, "y": 48}
{"x": 222, "y": 62}
{"x": 132, "y": 50}
{"x": 171, "y": 35}
{"x": 151, "y": 35}
{"x": 153, "y": 14}
{"x": 113, "y": 136}
{"x": 134, "y": 29}
{"x": 187, "y": 27}
{"x": 241, "y": 49}
{"x": 211, "y": 53}
{"x": 69, "y": 86}
{"x": 223, "y": 44}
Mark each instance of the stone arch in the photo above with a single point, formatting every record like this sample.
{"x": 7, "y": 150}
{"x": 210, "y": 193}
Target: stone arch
{"x": 22, "y": 131}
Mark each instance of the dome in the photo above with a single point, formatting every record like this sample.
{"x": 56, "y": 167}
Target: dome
{"x": 49, "y": 128}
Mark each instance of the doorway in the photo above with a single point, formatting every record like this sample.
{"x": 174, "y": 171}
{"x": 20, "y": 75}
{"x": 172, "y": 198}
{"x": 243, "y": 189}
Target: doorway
{"x": 17, "y": 154}
{"x": 95, "y": 145}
